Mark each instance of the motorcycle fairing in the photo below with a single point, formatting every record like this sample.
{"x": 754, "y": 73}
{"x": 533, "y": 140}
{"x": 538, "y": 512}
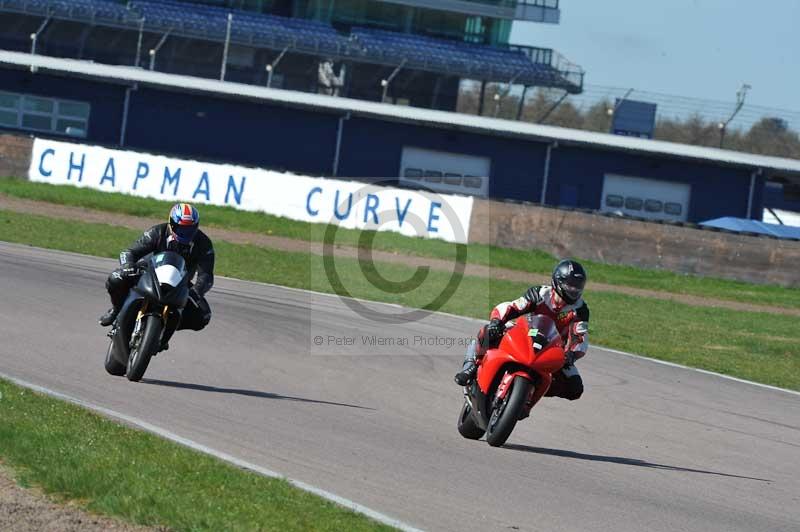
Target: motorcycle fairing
{"x": 147, "y": 288}
{"x": 517, "y": 340}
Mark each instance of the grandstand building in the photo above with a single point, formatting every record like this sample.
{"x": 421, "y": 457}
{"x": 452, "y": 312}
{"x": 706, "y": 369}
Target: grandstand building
{"x": 155, "y": 76}
{"x": 414, "y": 52}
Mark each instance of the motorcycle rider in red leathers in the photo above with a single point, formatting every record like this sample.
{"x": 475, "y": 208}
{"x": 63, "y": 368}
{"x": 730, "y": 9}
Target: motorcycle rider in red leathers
{"x": 561, "y": 301}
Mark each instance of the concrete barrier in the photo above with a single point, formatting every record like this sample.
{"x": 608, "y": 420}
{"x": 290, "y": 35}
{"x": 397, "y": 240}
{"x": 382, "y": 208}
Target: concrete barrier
{"x": 614, "y": 240}
{"x": 15, "y": 155}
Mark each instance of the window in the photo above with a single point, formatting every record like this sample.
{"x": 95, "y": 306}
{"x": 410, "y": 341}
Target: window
{"x": 8, "y": 118}
{"x": 472, "y": 181}
{"x": 433, "y": 176}
{"x": 633, "y": 204}
{"x": 674, "y": 209}
{"x": 413, "y": 173}
{"x": 44, "y": 114}
{"x": 452, "y": 179}
{"x": 9, "y": 100}
{"x": 613, "y": 200}
{"x": 73, "y": 109}
{"x": 652, "y": 205}
{"x": 39, "y": 122}
{"x": 37, "y": 105}
{"x": 9, "y": 109}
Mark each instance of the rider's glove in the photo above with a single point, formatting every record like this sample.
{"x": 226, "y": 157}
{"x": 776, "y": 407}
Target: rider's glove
{"x": 494, "y": 332}
{"x": 569, "y": 359}
{"x": 128, "y": 270}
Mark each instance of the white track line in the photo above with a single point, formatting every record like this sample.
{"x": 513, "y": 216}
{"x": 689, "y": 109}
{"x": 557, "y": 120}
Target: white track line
{"x": 341, "y": 501}
{"x": 704, "y": 371}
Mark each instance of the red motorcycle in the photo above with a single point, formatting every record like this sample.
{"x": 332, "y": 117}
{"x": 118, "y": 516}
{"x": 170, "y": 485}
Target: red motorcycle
{"x": 511, "y": 379}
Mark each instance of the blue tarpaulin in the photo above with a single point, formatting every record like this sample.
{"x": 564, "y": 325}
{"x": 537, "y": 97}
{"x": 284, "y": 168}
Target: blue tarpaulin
{"x": 743, "y": 225}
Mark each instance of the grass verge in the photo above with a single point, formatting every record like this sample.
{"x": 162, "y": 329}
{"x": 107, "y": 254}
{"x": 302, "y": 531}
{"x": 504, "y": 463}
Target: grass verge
{"x": 72, "y": 453}
{"x": 533, "y": 261}
{"x": 760, "y": 347}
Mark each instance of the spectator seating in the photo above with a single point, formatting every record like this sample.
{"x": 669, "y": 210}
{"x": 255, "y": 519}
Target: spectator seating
{"x": 90, "y": 10}
{"x": 390, "y": 48}
{"x": 246, "y": 26}
{"x": 474, "y": 60}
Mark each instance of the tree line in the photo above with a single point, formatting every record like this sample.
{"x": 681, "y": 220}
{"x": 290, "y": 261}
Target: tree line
{"x": 770, "y": 135}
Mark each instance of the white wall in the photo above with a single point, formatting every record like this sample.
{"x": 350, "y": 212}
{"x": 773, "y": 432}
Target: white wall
{"x": 349, "y": 204}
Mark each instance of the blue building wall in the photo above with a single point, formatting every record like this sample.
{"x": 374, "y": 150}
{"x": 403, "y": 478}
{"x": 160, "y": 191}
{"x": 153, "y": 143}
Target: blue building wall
{"x": 256, "y": 133}
{"x": 776, "y": 198}
{"x": 250, "y": 133}
{"x": 715, "y": 189}
{"x": 106, "y": 99}
{"x": 373, "y": 148}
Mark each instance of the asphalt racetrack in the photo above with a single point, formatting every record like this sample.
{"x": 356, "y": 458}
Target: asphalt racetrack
{"x": 648, "y": 447}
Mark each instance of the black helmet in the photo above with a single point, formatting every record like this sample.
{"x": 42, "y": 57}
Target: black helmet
{"x": 569, "y": 278}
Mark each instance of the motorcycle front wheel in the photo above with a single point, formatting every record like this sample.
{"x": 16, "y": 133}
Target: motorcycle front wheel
{"x": 149, "y": 342}
{"x": 505, "y": 413}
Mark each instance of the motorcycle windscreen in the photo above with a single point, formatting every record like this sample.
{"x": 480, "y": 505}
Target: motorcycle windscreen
{"x": 542, "y": 330}
{"x": 170, "y": 268}
{"x": 547, "y": 344}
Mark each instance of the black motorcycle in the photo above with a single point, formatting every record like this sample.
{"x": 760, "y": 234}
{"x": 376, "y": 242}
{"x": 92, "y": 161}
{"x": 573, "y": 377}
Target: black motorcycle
{"x": 150, "y": 315}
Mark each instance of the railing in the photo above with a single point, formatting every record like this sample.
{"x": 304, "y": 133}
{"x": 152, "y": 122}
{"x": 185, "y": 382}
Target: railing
{"x": 552, "y": 4}
{"x": 561, "y": 73}
{"x": 573, "y": 74}
{"x": 74, "y": 12}
{"x": 540, "y": 56}
{"x": 549, "y": 4}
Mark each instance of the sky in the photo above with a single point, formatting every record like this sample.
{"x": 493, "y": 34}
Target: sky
{"x": 697, "y": 48}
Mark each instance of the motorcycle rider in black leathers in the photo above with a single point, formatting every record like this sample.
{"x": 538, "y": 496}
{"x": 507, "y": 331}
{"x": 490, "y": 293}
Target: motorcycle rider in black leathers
{"x": 181, "y": 235}
{"x": 563, "y": 302}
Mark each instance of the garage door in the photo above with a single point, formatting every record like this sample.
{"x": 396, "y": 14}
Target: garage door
{"x": 647, "y": 198}
{"x": 445, "y": 171}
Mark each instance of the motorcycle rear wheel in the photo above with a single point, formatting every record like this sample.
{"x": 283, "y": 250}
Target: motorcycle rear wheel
{"x": 148, "y": 346}
{"x": 467, "y": 426}
{"x": 505, "y": 414}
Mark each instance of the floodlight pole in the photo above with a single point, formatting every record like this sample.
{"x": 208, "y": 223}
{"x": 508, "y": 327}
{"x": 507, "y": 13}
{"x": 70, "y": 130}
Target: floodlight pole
{"x": 35, "y": 37}
{"x": 154, "y": 51}
{"x": 498, "y": 97}
{"x": 272, "y": 66}
{"x": 227, "y": 47}
{"x": 139, "y": 43}
{"x": 481, "y": 97}
{"x": 740, "y": 96}
{"x": 553, "y": 107}
{"x": 385, "y": 82}
{"x": 521, "y": 102}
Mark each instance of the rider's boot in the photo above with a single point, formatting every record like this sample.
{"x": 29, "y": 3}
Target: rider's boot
{"x": 109, "y": 317}
{"x": 467, "y": 373}
{"x": 469, "y": 368}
